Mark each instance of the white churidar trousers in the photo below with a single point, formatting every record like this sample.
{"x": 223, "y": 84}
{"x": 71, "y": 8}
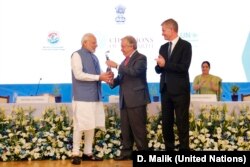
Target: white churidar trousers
{"x": 86, "y": 117}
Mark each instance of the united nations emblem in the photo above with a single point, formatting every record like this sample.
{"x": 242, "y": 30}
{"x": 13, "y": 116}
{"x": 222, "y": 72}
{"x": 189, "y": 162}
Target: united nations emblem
{"x": 120, "y": 10}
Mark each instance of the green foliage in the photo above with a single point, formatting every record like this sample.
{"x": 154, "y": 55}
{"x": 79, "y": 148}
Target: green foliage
{"x": 235, "y": 89}
{"x": 56, "y": 90}
{"x": 23, "y": 137}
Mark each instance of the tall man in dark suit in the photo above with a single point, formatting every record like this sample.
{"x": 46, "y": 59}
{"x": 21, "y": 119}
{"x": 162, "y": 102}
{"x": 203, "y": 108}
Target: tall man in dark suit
{"x": 173, "y": 65}
{"x": 134, "y": 97}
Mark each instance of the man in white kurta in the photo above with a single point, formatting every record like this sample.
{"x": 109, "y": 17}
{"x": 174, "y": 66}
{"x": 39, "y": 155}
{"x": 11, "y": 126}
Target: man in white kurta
{"x": 88, "y": 110}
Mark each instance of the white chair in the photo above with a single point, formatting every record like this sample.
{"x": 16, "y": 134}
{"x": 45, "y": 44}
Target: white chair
{"x": 4, "y": 99}
{"x": 245, "y": 97}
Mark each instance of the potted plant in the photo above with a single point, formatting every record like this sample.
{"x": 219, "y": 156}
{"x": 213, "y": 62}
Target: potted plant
{"x": 234, "y": 90}
{"x": 56, "y": 93}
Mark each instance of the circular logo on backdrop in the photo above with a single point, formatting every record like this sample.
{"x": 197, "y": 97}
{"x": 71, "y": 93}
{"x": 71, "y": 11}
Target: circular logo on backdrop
{"x": 53, "y": 38}
{"x": 53, "y": 41}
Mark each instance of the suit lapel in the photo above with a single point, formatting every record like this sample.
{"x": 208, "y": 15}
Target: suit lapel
{"x": 177, "y": 46}
{"x": 132, "y": 58}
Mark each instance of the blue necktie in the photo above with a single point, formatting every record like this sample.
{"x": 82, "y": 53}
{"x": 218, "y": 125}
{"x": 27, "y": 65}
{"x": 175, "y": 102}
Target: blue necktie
{"x": 98, "y": 71}
{"x": 169, "y": 49}
{"x": 96, "y": 64}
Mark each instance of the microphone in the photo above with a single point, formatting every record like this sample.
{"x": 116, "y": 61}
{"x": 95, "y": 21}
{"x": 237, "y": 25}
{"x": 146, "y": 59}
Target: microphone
{"x": 107, "y": 58}
{"x": 38, "y": 85}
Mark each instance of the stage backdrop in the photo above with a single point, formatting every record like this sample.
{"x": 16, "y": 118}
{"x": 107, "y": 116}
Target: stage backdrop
{"x": 38, "y": 37}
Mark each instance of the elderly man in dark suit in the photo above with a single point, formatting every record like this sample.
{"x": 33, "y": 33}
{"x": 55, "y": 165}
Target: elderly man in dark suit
{"x": 134, "y": 97}
{"x": 173, "y": 65}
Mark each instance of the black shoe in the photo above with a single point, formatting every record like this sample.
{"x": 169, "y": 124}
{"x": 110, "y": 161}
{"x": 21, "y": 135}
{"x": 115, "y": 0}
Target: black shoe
{"x": 170, "y": 149}
{"x": 91, "y": 158}
{"x": 123, "y": 157}
{"x": 76, "y": 160}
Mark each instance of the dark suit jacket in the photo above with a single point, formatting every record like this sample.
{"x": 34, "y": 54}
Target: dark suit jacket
{"x": 133, "y": 82}
{"x": 175, "y": 73}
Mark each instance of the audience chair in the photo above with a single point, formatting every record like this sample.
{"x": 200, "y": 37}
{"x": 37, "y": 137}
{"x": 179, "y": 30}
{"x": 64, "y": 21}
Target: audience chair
{"x": 4, "y": 99}
{"x": 245, "y": 97}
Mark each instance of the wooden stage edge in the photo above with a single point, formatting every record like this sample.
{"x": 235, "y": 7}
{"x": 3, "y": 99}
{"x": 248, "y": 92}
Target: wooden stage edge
{"x": 66, "y": 163}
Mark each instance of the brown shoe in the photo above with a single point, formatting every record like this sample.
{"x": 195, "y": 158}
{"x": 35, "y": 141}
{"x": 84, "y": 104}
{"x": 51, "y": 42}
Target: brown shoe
{"x": 91, "y": 158}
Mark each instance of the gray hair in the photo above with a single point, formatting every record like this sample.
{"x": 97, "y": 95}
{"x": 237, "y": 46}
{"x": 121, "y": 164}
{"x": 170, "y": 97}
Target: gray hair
{"x": 86, "y": 37}
{"x": 131, "y": 40}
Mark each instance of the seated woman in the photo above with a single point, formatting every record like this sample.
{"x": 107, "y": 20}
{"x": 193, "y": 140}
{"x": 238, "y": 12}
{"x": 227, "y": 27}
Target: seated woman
{"x": 206, "y": 83}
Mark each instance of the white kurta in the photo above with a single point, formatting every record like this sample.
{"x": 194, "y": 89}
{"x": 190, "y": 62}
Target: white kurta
{"x": 86, "y": 115}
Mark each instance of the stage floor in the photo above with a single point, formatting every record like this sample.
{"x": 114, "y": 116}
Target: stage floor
{"x": 66, "y": 163}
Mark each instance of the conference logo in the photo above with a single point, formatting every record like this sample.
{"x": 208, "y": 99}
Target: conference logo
{"x": 192, "y": 37}
{"x": 53, "y": 42}
{"x": 53, "y": 38}
{"x": 120, "y": 11}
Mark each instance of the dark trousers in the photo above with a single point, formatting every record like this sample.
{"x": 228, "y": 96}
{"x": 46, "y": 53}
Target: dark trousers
{"x": 133, "y": 128}
{"x": 175, "y": 109}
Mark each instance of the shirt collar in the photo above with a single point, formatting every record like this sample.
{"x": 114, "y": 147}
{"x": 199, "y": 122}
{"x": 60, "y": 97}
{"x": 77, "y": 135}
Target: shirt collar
{"x": 132, "y": 53}
{"x": 174, "y": 41}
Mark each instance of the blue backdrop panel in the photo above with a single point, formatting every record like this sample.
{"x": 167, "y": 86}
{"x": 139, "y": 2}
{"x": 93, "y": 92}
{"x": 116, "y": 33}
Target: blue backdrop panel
{"x": 65, "y": 90}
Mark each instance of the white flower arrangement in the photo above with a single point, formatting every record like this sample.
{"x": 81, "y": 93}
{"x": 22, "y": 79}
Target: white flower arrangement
{"x": 23, "y": 137}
